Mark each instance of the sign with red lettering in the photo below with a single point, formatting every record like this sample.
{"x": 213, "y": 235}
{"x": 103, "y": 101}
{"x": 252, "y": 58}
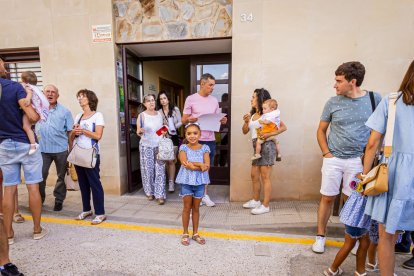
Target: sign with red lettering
{"x": 102, "y": 33}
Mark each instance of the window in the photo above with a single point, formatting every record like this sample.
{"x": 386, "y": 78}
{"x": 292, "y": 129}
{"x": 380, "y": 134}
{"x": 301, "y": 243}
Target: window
{"x": 20, "y": 60}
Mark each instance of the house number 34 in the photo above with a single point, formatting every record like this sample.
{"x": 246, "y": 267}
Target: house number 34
{"x": 246, "y": 17}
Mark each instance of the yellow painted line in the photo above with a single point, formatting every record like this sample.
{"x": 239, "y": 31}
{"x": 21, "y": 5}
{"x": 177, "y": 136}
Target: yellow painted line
{"x": 176, "y": 231}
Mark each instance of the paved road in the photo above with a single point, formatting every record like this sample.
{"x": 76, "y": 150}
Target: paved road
{"x": 132, "y": 249}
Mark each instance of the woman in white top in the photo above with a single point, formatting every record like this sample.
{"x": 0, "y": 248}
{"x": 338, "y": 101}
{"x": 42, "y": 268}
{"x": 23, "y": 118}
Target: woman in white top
{"x": 172, "y": 118}
{"x": 86, "y": 133}
{"x": 262, "y": 167}
{"x": 152, "y": 170}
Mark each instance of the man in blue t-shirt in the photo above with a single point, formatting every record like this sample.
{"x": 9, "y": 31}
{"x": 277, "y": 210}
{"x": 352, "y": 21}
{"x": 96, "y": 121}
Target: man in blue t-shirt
{"x": 345, "y": 115}
{"x": 14, "y": 154}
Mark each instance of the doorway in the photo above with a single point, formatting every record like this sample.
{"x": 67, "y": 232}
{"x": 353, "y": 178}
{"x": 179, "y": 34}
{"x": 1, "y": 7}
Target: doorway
{"x": 179, "y": 75}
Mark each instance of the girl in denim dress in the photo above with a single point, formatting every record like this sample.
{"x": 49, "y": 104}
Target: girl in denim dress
{"x": 193, "y": 176}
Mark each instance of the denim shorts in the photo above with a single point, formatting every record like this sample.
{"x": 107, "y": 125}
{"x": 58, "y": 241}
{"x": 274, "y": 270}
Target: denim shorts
{"x": 14, "y": 156}
{"x": 355, "y": 232}
{"x": 196, "y": 191}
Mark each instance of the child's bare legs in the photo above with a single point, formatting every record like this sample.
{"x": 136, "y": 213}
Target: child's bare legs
{"x": 279, "y": 153}
{"x": 27, "y": 127}
{"x": 258, "y": 148}
{"x": 372, "y": 254}
{"x": 196, "y": 214}
{"x": 196, "y": 219}
{"x": 188, "y": 204}
{"x": 343, "y": 252}
{"x": 361, "y": 255}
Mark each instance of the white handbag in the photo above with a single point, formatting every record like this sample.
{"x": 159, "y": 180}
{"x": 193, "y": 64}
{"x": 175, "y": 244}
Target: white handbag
{"x": 83, "y": 157}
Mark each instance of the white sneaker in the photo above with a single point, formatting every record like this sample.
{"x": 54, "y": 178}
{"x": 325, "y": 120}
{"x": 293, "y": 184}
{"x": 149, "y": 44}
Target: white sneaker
{"x": 355, "y": 249}
{"x": 260, "y": 210}
{"x": 251, "y": 204}
{"x": 319, "y": 245}
{"x": 171, "y": 185}
{"x": 207, "y": 201}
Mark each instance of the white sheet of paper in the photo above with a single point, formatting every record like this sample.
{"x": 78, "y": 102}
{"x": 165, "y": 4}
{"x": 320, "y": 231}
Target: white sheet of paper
{"x": 210, "y": 121}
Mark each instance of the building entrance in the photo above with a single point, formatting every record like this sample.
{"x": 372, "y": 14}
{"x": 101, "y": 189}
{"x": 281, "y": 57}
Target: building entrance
{"x": 180, "y": 75}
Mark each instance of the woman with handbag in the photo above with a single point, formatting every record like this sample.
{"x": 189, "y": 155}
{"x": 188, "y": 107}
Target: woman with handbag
{"x": 172, "y": 118}
{"x": 149, "y": 123}
{"x": 394, "y": 209}
{"x": 84, "y": 154}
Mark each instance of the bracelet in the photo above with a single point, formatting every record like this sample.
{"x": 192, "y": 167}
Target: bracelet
{"x": 323, "y": 155}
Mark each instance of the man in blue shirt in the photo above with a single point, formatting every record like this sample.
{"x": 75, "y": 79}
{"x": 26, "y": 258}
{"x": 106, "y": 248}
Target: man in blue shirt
{"x": 342, "y": 149}
{"x": 14, "y": 156}
{"x": 53, "y": 140}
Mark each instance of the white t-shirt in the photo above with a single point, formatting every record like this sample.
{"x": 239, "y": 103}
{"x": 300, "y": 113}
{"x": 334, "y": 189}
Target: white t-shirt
{"x": 273, "y": 116}
{"x": 90, "y": 124}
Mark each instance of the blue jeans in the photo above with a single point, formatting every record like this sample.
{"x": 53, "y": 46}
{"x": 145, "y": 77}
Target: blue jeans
{"x": 196, "y": 191}
{"x": 14, "y": 156}
{"x": 355, "y": 232}
{"x": 89, "y": 180}
{"x": 212, "y": 146}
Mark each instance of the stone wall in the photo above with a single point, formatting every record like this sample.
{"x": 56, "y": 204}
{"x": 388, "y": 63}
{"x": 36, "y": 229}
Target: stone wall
{"x": 157, "y": 20}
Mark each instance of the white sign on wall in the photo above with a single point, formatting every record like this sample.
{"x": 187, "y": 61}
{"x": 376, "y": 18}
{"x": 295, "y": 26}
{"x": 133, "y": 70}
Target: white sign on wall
{"x": 102, "y": 33}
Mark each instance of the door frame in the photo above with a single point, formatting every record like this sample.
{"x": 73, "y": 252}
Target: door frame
{"x": 207, "y": 60}
{"x": 125, "y": 53}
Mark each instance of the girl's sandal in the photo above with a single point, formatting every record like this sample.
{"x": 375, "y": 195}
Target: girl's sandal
{"x": 371, "y": 267}
{"x": 199, "y": 239}
{"x": 363, "y": 274}
{"x": 17, "y": 218}
{"x": 185, "y": 239}
{"x": 329, "y": 272}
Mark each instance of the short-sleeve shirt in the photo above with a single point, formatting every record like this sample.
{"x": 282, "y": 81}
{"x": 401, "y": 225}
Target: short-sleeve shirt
{"x": 90, "y": 124}
{"x": 53, "y": 133}
{"x": 197, "y": 105}
{"x": 11, "y": 115}
{"x": 347, "y": 116}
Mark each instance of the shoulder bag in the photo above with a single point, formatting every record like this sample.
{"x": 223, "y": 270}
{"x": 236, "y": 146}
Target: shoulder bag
{"x": 376, "y": 181}
{"x": 84, "y": 157}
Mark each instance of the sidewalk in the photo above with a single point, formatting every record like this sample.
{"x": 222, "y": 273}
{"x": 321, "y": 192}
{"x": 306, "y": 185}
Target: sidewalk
{"x": 291, "y": 217}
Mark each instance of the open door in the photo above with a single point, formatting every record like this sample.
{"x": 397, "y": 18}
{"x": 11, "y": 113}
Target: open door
{"x": 220, "y": 67}
{"x": 133, "y": 94}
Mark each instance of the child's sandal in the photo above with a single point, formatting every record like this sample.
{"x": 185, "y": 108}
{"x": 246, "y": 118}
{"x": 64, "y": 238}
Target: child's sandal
{"x": 199, "y": 239}
{"x": 185, "y": 239}
{"x": 363, "y": 274}
{"x": 329, "y": 272}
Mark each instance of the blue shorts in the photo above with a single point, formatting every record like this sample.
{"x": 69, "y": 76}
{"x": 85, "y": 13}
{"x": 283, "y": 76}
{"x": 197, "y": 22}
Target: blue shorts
{"x": 14, "y": 156}
{"x": 196, "y": 191}
{"x": 355, "y": 232}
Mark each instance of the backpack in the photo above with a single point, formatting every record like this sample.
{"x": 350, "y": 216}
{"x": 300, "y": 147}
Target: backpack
{"x": 165, "y": 150}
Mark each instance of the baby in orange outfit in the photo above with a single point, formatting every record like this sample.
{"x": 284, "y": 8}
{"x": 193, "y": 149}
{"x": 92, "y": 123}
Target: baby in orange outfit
{"x": 270, "y": 122}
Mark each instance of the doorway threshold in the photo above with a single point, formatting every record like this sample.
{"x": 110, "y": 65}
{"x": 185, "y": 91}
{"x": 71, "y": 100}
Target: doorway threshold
{"x": 217, "y": 193}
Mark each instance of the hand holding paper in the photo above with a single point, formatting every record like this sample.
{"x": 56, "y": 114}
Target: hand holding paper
{"x": 211, "y": 121}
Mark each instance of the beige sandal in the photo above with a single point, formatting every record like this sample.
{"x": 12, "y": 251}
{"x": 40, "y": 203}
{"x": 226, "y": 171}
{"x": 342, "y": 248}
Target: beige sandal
{"x": 185, "y": 239}
{"x": 199, "y": 239}
{"x": 17, "y": 218}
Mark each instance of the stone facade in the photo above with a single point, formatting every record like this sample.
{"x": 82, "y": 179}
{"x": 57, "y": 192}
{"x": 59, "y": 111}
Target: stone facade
{"x": 160, "y": 20}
